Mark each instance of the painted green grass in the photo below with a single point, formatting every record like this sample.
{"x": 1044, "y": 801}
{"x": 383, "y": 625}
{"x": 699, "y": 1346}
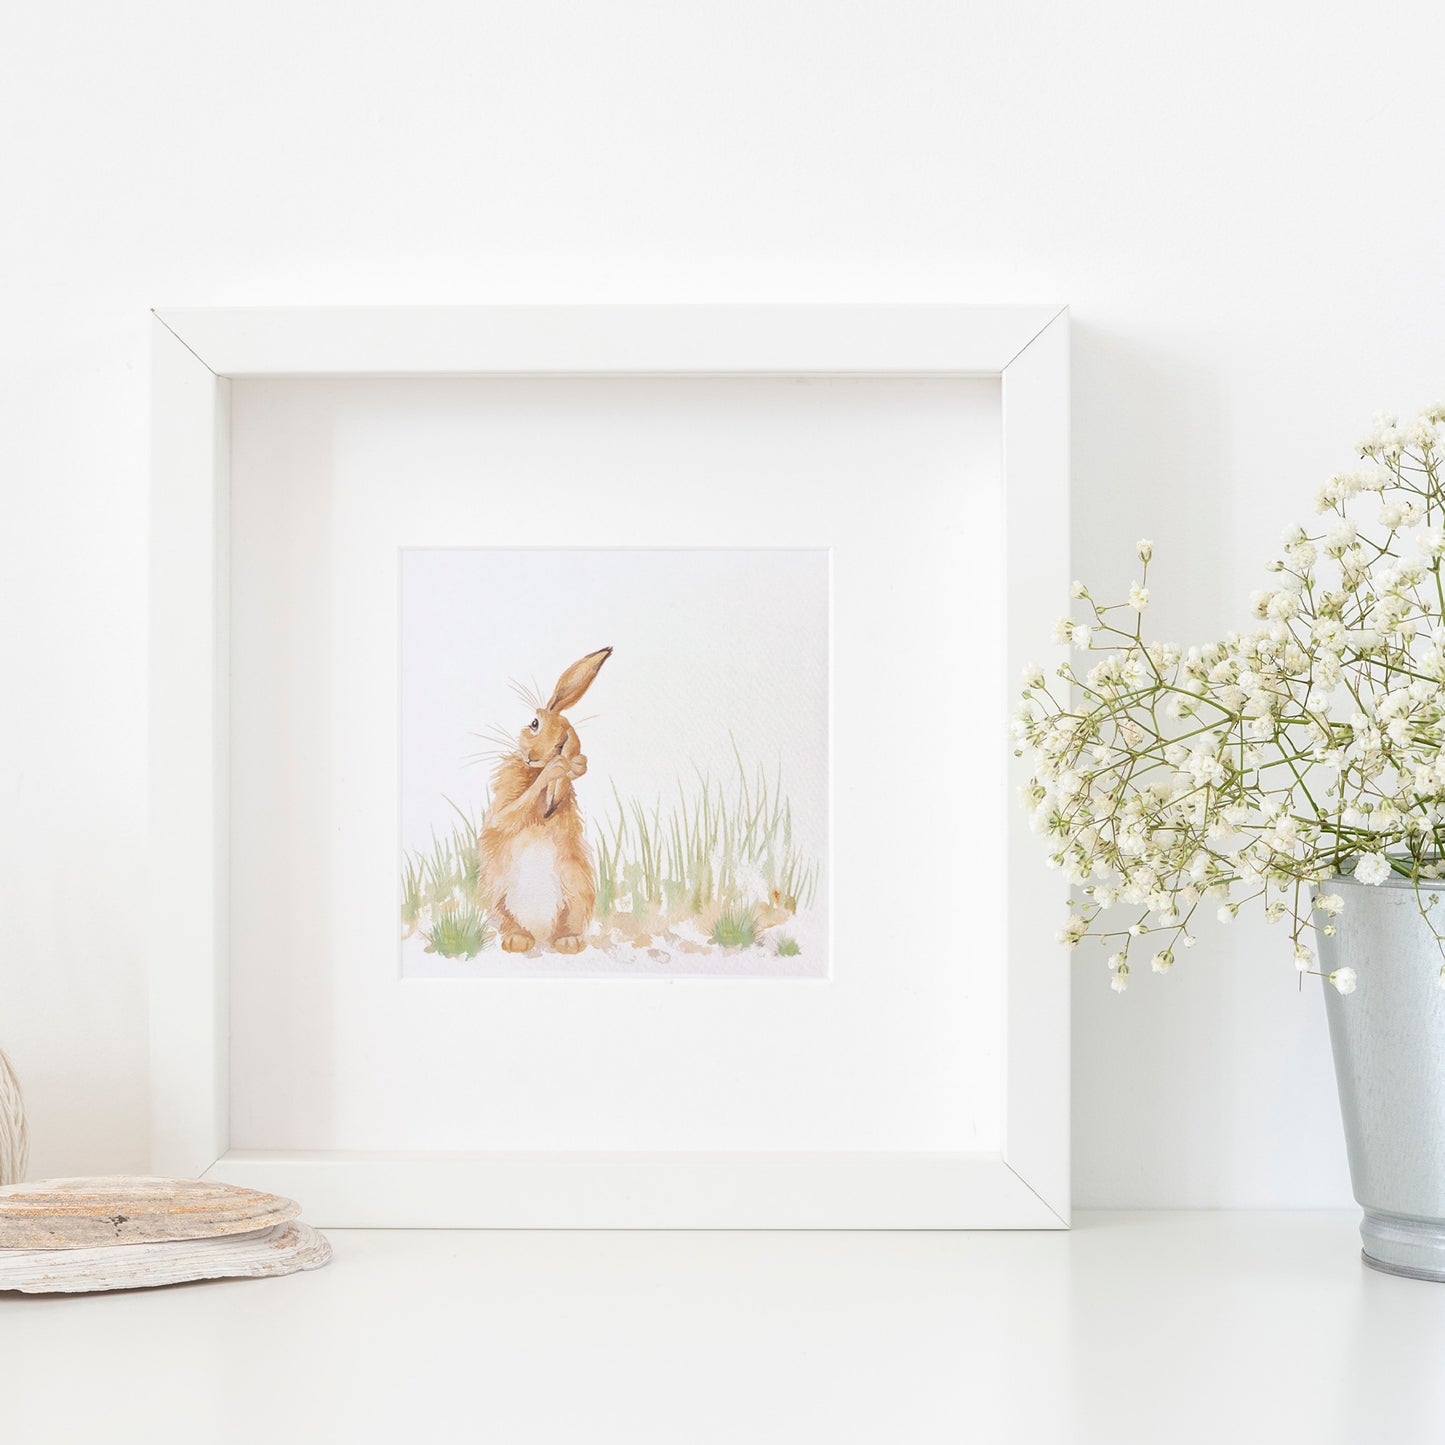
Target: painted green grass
{"x": 459, "y": 933}
{"x": 709, "y": 848}
{"x": 413, "y": 894}
{"x": 720, "y": 855}
{"x": 442, "y": 884}
{"x": 736, "y": 926}
{"x": 788, "y": 946}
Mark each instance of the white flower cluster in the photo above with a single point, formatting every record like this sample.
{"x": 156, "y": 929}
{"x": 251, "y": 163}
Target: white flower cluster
{"x": 1253, "y": 770}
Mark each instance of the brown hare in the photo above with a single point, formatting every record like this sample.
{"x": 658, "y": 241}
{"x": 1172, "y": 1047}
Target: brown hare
{"x": 538, "y": 881}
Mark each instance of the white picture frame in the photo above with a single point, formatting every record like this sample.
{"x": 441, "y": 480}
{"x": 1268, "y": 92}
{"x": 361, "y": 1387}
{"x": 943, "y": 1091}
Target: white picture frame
{"x": 195, "y": 354}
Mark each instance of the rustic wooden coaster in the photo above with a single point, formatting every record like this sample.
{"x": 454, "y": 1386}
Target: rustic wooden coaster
{"x": 283, "y": 1249}
{"x": 85, "y": 1213}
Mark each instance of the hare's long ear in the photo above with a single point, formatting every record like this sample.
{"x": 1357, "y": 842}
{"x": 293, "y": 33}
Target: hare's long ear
{"x": 577, "y": 679}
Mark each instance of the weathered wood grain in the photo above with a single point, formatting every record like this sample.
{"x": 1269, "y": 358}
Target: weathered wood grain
{"x": 87, "y": 1213}
{"x": 284, "y": 1249}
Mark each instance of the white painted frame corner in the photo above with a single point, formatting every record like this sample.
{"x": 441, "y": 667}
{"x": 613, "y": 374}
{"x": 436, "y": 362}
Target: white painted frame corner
{"x": 194, "y": 355}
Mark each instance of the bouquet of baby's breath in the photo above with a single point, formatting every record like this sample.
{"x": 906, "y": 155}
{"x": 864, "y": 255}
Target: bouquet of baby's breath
{"x": 1251, "y": 771}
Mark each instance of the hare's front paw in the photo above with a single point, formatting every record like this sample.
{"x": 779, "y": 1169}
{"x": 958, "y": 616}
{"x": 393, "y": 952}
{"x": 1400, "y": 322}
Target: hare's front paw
{"x": 517, "y": 942}
{"x": 569, "y": 943}
{"x": 554, "y": 770}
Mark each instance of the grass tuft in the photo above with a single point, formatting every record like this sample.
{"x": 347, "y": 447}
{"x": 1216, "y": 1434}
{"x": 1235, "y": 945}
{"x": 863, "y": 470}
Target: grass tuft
{"x": 460, "y": 933}
{"x": 736, "y": 927}
{"x": 788, "y": 946}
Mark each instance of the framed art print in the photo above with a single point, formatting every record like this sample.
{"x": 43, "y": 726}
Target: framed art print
{"x": 572, "y": 787}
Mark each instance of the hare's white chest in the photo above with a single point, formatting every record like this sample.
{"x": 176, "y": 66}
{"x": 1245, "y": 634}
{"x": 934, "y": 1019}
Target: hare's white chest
{"x": 534, "y": 884}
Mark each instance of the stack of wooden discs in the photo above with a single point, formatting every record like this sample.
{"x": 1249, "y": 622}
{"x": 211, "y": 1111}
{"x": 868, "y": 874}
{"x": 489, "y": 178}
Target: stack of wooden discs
{"x": 67, "y": 1236}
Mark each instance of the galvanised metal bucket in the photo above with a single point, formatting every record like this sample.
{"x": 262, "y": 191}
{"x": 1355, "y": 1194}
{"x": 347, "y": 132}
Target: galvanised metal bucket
{"x": 1388, "y": 1038}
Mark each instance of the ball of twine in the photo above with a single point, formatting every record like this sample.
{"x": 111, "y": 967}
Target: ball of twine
{"x": 14, "y": 1142}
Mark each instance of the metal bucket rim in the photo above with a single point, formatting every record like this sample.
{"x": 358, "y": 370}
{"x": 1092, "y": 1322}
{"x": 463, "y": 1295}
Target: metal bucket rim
{"x": 1393, "y": 881}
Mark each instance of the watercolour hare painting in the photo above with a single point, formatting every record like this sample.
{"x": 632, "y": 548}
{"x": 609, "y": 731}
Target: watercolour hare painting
{"x": 704, "y": 842}
{"x": 537, "y": 879}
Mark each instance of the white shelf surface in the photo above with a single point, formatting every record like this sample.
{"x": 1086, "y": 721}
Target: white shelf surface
{"x": 1133, "y": 1327}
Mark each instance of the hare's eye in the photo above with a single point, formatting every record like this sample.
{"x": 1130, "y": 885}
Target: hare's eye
{"x": 535, "y": 724}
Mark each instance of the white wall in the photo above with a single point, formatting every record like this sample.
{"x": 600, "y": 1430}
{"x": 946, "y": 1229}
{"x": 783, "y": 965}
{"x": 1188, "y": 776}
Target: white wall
{"x": 1241, "y": 202}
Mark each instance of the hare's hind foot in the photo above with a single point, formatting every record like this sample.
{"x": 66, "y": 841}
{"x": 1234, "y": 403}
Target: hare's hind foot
{"x": 517, "y": 942}
{"x": 569, "y": 943}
